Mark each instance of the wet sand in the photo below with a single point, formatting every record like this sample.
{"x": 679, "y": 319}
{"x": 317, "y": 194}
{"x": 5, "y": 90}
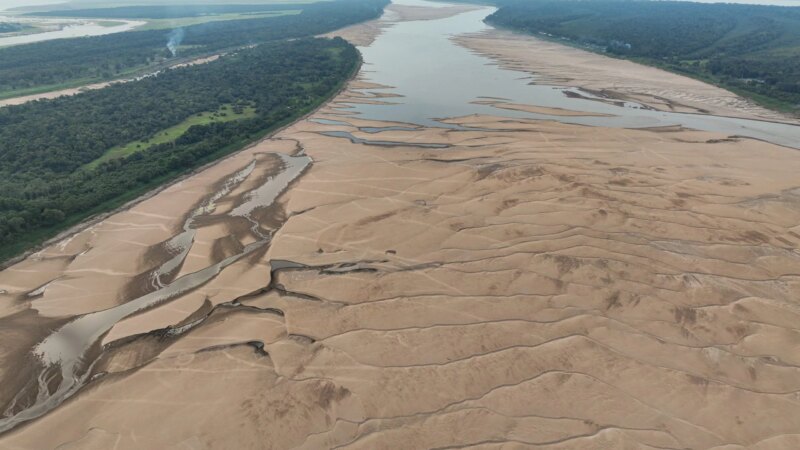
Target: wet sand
{"x": 531, "y": 284}
{"x": 561, "y": 65}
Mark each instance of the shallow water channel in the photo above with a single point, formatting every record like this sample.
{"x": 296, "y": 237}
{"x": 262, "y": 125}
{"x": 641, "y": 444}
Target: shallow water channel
{"x": 65, "y": 355}
{"x": 438, "y": 79}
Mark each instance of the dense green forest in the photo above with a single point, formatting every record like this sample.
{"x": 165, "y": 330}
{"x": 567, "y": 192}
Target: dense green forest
{"x": 48, "y": 181}
{"x": 754, "y": 50}
{"x": 31, "y": 68}
{"x": 164, "y": 11}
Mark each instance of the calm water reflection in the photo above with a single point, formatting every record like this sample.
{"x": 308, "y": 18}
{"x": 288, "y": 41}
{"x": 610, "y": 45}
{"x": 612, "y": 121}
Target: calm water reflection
{"x": 440, "y": 79}
{"x": 66, "y": 28}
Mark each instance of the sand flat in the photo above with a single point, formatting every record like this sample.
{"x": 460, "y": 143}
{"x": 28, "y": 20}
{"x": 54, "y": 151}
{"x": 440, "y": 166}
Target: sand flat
{"x": 558, "y": 64}
{"x": 568, "y": 287}
{"x": 532, "y": 285}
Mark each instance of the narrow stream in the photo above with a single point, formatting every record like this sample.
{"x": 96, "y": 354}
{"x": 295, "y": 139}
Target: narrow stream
{"x": 439, "y": 79}
{"x": 63, "y": 354}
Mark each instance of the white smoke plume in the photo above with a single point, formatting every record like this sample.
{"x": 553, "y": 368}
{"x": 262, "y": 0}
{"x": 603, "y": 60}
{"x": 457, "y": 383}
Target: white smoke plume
{"x": 175, "y": 39}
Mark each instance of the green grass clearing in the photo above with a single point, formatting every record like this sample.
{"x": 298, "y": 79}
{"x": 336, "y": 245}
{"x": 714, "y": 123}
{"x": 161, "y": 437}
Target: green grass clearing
{"x": 224, "y": 114}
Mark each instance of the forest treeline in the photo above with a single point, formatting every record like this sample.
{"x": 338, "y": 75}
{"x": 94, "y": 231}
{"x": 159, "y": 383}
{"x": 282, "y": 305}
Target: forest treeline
{"x": 40, "y": 66}
{"x": 45, "y": 146}
{"x": 752, "y": 49}
{"x": 165, "y": 11}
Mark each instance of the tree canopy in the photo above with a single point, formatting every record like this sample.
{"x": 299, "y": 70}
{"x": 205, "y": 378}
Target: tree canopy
{"x": 45, "y": 146}
{"x": 51, "y": 64}
{"x": 164, "y": 11}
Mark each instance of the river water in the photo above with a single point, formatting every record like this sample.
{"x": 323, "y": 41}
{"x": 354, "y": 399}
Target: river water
{"x": 439, "y": 79}
{"x": 63, "y": 28}
{"x": 64, "y": 355}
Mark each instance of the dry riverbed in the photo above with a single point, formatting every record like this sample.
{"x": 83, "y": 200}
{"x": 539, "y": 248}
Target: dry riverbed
{"x": 557, "y": 64}
{"x": 531, "y": 284}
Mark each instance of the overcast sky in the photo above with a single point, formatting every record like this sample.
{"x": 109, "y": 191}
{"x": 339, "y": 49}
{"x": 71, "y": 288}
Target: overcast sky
{"x": 751, "y": 2}
{"x": 5, "y": 4}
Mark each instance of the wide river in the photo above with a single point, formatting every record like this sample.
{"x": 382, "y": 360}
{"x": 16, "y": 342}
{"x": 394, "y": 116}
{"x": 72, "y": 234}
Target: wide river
{"x": 63, "y": 28}
{"x": 439, "y": 79}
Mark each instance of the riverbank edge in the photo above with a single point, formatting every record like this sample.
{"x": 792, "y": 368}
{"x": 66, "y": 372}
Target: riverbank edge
{"x": 773, "y": 105}
{"x": 157, "y": 186}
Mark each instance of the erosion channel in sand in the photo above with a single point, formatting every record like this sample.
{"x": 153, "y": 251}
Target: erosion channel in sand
{"x": 65, "y": 355}
{"x": 472, "y": 259}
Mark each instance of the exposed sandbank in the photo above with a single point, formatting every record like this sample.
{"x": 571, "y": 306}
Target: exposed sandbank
{"x": 535, "y": 285}
{"x": 562, "y": 65}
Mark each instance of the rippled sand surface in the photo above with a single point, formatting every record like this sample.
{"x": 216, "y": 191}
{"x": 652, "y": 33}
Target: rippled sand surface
{"x": 561, "y": 65}
{"x": 529, "y": 284}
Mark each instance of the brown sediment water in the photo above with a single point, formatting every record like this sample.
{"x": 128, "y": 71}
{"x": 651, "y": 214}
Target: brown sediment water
{"x": 180, "y": 244}
{"x": 371, "y": 130}
{"x": 65, "y": 357}
{"x": 380, "y": 143}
